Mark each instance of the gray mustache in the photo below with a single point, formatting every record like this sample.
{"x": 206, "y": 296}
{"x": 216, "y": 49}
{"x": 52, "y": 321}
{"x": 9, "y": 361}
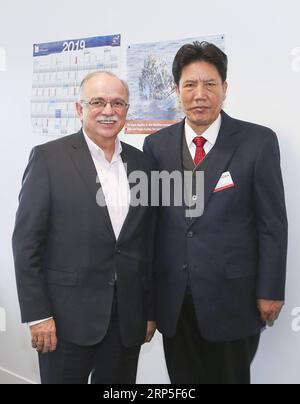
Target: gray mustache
{"x": 106, "y": 119}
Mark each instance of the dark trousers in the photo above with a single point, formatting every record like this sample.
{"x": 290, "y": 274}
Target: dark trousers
{"x": 193, "y": 360}
{"x": 108, "y": 362}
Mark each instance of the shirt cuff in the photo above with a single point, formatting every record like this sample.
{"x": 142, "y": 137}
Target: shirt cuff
{"x": 31, "y": 324}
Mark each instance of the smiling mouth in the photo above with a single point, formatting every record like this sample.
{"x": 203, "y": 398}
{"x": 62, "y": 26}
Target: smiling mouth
{"x": 106, "y": 122}
{"x": 200, "y": 109}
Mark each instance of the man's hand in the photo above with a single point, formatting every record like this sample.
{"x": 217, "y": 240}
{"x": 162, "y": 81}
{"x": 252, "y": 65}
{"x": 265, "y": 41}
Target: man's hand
{"x": 269, "y": 309}
{"x": 43, "y": 336}
{"x": 151, "y": 328}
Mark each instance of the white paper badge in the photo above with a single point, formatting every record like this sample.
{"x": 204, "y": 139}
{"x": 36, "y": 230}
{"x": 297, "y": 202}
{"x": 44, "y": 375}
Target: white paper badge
{"x": 225, "y": 182}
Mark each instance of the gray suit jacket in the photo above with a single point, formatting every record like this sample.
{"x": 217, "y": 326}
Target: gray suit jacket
{"x": 65, "y": 250}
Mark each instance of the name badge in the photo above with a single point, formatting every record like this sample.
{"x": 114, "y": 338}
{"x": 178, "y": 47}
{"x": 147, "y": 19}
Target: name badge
{"x": 225, "y": 182}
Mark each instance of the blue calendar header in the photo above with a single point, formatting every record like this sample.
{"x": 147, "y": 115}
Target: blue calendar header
{"x": 73, "y": 45}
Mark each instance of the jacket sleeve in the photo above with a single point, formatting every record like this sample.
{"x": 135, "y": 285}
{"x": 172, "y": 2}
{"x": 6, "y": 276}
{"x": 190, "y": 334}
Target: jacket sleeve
{"x": 148, "y": 151}
{"x": 29, "y": 239}
{"x": 151, "y": 237}
{"x": 150, "y": 275}
{"x": 271, "y": 219}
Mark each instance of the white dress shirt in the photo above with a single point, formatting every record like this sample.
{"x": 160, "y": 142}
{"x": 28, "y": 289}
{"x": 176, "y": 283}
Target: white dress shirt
{"x": 114, "y": 182}
{"x": 211, "y": 135}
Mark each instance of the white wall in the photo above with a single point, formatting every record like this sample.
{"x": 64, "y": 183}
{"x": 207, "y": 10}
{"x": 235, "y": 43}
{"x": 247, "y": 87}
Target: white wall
{"x": 264, "y": 88}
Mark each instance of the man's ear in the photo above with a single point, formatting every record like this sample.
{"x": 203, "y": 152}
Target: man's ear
{"x": 79, "y": 110}
{"x": 225, "y": 88}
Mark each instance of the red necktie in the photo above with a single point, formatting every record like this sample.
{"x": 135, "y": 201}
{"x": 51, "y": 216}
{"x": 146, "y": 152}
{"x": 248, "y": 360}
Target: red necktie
{"x": 200, "y": 153}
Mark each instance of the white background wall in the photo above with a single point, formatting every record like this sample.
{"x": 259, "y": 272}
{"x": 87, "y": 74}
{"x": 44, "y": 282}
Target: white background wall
{"x": 264, "y": 88}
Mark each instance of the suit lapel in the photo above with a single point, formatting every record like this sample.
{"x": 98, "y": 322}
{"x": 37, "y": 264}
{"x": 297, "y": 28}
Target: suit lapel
{"x": 131, "y": 165}
{"x": 175, "y": 148}
{"x": 175, "y": 162}
{"x": 84, "y": 164}
{"x": 224, "y": 150}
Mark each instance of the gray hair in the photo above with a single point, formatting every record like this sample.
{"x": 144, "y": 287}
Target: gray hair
{"x": 100, "y": 73}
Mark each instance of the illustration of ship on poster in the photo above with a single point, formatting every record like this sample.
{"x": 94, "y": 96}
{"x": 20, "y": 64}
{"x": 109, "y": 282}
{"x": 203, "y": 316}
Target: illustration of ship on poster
{"x": 153, "y": 98}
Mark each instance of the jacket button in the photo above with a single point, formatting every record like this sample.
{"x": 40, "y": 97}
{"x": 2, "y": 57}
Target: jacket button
{"x": 112, "y": 283}
{"x": 185, "y": 267}
{"x": 190, "y": 234}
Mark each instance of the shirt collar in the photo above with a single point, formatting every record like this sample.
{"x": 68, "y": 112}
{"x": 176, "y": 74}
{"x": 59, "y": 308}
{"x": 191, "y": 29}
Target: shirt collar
{"x": 97, "y": 152}
{"x": 210, "y": 134}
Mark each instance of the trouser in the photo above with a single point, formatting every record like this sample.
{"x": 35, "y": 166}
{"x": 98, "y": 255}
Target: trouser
{"x": 193, "y": 360}
{"x": 108, "y": 362}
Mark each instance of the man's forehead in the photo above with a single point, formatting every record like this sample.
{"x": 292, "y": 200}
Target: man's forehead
{"x": 201, "y": 70}
{"x": 104, "y": 85}
{"x": 202, "y": 78}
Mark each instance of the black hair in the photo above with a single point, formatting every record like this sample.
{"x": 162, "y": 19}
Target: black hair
{"x": 204, "y": 51}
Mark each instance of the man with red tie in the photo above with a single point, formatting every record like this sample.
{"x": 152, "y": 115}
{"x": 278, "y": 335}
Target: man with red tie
{"x": 219, "y": 277}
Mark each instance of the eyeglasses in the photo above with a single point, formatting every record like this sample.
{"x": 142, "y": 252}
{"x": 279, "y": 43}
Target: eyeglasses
{"x": 99, "y": 104}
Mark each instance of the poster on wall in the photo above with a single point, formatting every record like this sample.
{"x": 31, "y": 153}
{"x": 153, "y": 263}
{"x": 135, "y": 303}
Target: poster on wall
{"x": 58, "y": 69}
{"x": 153, "y": 101}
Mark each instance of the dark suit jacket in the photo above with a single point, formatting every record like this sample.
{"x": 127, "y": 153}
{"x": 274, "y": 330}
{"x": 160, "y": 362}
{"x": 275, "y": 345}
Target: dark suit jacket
{"x": 66, "y": 254}
{"x": 235, "y": 253}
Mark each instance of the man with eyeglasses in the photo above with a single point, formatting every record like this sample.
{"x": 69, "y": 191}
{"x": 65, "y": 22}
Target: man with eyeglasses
{"x": 82, "y": 251}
